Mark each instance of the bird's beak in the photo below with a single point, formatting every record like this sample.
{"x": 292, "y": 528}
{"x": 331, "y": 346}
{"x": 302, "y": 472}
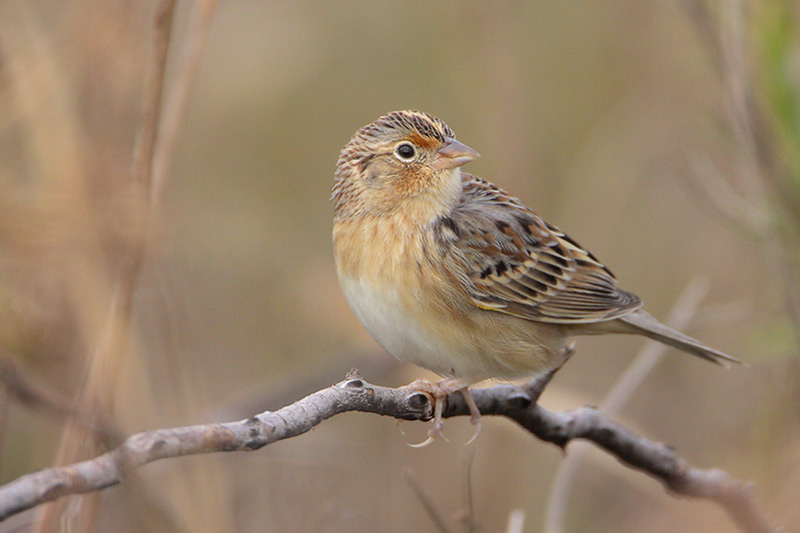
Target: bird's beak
{"x": 453, "y": 154}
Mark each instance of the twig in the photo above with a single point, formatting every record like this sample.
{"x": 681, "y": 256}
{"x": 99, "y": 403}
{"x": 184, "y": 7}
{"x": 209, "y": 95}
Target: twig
{"x": 23, "y": 391}
{"x": 427, "y": 503}
{"x": 178, "y": 95}
{"x": 516, "y": 521}
{"x": 753, "y": 207}
{"x": 354, "y": 394}
{"x": 718, "y": 193}
{"x": 469, "y": 517}
{"x": 41, "y": 398}
{"x": 96, "y": 397}
{"x": 147, "y": 134}
{"x": 617, "y": 396}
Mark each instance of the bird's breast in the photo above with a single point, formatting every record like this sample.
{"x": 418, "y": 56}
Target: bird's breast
{"x": 409, "y": 300}
{"x": 391, "y": 286}
{"x": 383, "y": 249}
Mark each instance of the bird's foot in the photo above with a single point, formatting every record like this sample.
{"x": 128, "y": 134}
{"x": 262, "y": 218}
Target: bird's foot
{"x": 439, "y": 392}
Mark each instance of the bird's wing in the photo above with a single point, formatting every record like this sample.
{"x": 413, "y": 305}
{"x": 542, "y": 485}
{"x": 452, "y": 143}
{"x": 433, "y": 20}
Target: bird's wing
{"x": 513, "y": 262}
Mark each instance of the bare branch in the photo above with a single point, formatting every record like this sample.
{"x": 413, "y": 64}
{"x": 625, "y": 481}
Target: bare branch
{"x": 656, "y": 459}
{"x": 354, "y": 394}
{"x": 617, "y": 397}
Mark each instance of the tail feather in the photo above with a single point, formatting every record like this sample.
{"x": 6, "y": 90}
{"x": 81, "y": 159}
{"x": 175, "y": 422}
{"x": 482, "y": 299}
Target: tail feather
{"x": 642, "y": 323}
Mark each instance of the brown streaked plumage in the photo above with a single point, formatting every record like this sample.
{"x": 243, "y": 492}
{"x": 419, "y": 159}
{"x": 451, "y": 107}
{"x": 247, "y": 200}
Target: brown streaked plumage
{"x": 452, "y": 273}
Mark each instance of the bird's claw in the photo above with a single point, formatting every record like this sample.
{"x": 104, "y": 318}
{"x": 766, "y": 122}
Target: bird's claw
{"x": 438, "y": 393}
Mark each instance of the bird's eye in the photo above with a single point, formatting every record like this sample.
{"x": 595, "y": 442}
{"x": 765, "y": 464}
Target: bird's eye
{"x": 405, "y": 152}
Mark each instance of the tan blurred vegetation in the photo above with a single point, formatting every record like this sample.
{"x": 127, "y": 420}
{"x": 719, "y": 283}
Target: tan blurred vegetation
{"x": 611, "y": 119}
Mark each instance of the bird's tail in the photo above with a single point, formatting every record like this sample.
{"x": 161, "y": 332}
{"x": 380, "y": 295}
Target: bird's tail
{"x": 642, "y": 323}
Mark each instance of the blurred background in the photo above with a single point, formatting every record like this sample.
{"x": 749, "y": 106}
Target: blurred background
{"x": 664, "y": 136}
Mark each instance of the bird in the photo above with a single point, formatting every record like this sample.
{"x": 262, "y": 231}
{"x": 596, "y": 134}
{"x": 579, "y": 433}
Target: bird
{"x": 450, "y": 272}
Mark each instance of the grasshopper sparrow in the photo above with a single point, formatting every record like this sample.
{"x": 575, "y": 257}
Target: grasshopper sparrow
{"x": 449, "y": 272}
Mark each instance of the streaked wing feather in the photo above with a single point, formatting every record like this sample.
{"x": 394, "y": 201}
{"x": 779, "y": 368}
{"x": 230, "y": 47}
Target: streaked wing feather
{"x": 519, "y": 265}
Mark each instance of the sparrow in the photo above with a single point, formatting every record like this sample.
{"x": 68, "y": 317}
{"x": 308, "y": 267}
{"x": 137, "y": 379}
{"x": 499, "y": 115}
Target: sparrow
{"x": 449, "y": 272}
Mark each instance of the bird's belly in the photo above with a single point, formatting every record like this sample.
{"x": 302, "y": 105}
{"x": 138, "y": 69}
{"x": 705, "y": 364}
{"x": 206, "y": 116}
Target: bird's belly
{"x": 388, "y": 317}
{"x": 440, "y": 345}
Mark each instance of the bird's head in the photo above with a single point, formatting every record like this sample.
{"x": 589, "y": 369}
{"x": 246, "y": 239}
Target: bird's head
{"x": 404, "y": 160}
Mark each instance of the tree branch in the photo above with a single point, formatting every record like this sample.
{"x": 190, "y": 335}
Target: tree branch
{"x": 354, "y": 394}
{"x": 615, "y": 399}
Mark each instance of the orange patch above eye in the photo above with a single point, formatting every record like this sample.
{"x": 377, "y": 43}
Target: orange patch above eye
{"x": 423, "y": 141}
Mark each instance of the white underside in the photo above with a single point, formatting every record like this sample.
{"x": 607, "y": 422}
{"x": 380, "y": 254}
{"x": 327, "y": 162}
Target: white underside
{"x": 382, "y": 312}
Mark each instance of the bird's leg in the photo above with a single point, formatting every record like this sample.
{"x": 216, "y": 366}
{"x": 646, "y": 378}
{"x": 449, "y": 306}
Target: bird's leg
{"x": 438, "y": 392}
{"x": 536, "y": 386}
{"x": 567, "y": 352}
{"x": 474, "y": 413}
{"x": 437, "y": 395}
